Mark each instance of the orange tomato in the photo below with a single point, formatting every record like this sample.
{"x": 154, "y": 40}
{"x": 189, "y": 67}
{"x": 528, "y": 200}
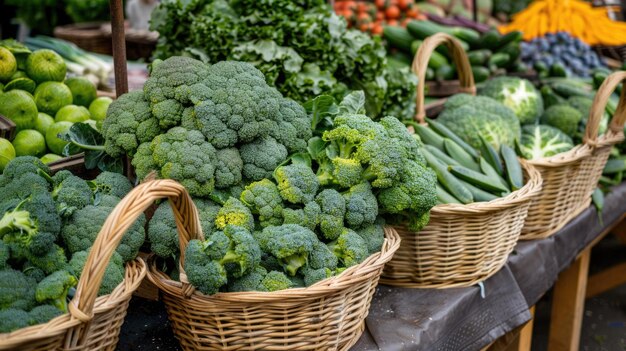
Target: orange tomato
{"x": 377, "y": 28}
{"x": 380, "y": 15}
{"x": 363, "y": 16}
{"x": 412, "y": 13}
{"x": 380, "y": 3}
{"x": 392, "y": 22}
{"x": 392, "y": 12}
{"x": 404, "y": 4}
{"x": 365, "y": 27}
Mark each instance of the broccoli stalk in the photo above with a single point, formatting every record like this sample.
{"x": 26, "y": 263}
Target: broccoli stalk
{"x": 17, "y": 221}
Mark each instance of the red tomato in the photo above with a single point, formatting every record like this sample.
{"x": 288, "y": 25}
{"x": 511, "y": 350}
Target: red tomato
{"x": 392, "y": 12}
{"x": 392, "y": 22}
{"x": 380, "y": 3}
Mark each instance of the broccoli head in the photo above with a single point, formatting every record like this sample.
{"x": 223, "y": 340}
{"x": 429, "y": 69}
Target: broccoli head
{"x": 249, "y": 282}
{"x": 228, "y": 168}
{"x": 110, "y": 183}
{"x": 563, "y": 117}
{"x": 264, "y": 199}
{"x": 12, "y": 319}
{"x": 293, "y": 126}
{"x": 308, "y": 217}
{"x": 51, "y": 261}
{"x": 350, "y": 248}
{"x": 333, "y": 207}
{"x": 16, "y": 290}
{"x": 236, "y": 213}
{"x": 22, "y": 165}
{"x": 113, "y": 274}
{"x": 23, "y": 186}
{"x": 128, "y": 123}
{"x": 5, "y": 254}
{"x": 291, "y": 244}
{"x": 205, "y": 274}
{"x": 71, "y": 194}
{"x": 312, "y": 276}
{"x": 361, "y": 205}
{"x": 296, "y": 183}
{"x": 243, "y": 252}
{"x": 274, "y": 281}
{"x": 322, "y": 257}
{"x": 261, "y": 157}
{"x": 54, "y": 288}
{"x": 374, "y": 235}
{"x": 43, "y": 314}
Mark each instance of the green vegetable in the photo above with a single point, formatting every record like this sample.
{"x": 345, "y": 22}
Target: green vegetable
{"x": 518, "y": 94}
{"x": 562, "y": 117}
{"x": 17, "y": 290}
{"x": 614, "y": 166}
{"x": 234, "y": 212}
{"x": 481, "y": 74}
{"x": 428, "y": 136}
{"x": 513, "y": 168}
{"x": 297, "y": 183}
{"x": 441, "y": 156}
{"x": 489, "y": 153}
{"x": 113, "y": 274}
{"x": 444, "y": 197}
{"x": 499, "y": 60}
{"x": 291, "y": 244}
{"x": 479, "y": 195}
{"x": 332, "y": 212}
{"x": 448, "y": 181}
{"x": 398, "y": 37}
{"x": 447, "y": 133}
{"x": 54, "y": 288}
{"x": 350, "y": 248}
{"x": 459, "y": 154}
{"x": 543, "y": 141}
{"x": 550, "y": 98}
{"x": 424, "y": 29}
{"x": 476, "y": 178}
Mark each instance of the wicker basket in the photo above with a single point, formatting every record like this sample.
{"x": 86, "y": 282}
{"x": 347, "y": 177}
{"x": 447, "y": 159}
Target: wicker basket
{"x": 328, "y": 315}
{"x": 569, "y": 178}
{"x": 7, "y": 128}
{"x": 87, "y": 36}
{"x": 93, "y": 323}
{"x": 462, "y": 244}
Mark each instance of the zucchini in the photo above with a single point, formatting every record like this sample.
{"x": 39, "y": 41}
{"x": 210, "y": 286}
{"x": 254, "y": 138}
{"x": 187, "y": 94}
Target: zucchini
{"x": 490, "y": 39}
{"x": 428, "y": 136}
{"x": 478, "y": 57}
{"x": 448, "y": 181}
{"x": 515, "y": 36}
{"x": 541, "y": 67}
{"x": 415, "y": 45}
{"x": 477, "y": 179}
{"x": 489, "y": 153}
{"x": 480, "y": 73}
{"x": 499, "y": 59}
{"x": 512, "y": 49}
{"x": 441, "y": 156}
{"x": 550, "y": 98}
{"x": 558, "y": 70}
{"x": 436, "y": 59}
{"x": 489, "y": 171}
{"x": 479, "y": 194}
{"x": 424, "y": 29}
{"x": 614, "y": 165}
{"x": 445, "y": 72}
{"x": 457, "y": 153}
{"x": 447, "y": 133}
{"x": 445, "y": 197}
{"x": 401, "y": 57}
{"x": 567, "y": 90}
{"x": 520, "y": 66}
{"x": 514, "y": 174}
{"x": 398, "y": 37}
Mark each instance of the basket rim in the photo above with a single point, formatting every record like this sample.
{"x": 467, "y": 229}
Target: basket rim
{"x": 347, "y": 278}
{"x": 64, "y": 322}
{"x": 522, "y": 195}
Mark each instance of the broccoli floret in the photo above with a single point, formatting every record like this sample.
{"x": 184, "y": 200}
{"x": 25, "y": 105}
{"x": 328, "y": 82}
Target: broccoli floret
{"x": 398, "y": 131}
{"x": 107, "y": 201}
{"x": 51, "y": 261}
{"x": 21, "y": 187}
{"x": 205, "y": 274}
{"x": 143, "y": 162}
{"x": 244, "y": 251}
{"x": 361, "y": 205}
{"x": 110, "y": 183}
{"x": 217, "y": 245}
{"x": 236, "y": 213}
{"x": 269, "y": 262}
{"x": 374, "y": 235}
{"x": 128, "y": 123}
{"x": 312, "y": 276}
{"x": 249, "y": 282}
{"x": 113, "y": 274}
{"x": 264, "y": 199}
{"x": 308, "y": 217}
{"x": 43, "y": 314}
{"x": 333, "y": 207}
{"x": 33, "y": 272}
{"x": 293, "y": 126}
{"x": 563, "y": 117}
{"x": 82, "y": 228}
{"x": 19, "y": 166}
{"x": 349, "y": 248}
{"x": 274, "y": 281}
{"x": 71, "y": 194}
{"x": 169, "y": 87}
{"x": 261, "y": 157}
{"x": 322, "y": 257}
{"x": 54, "y": 288}
{"x": 228, "y": 168}
{"x": 291, "y": 244}
{"x": 16, "y": 290}
{"x": 12, "y": 319}
{"x": 183, "y": 155}
{"x": 297, "y": 183}
{"x": 4, "y": 255}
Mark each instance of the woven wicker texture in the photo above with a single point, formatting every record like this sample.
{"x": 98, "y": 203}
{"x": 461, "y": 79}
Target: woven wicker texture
{"x": 328, "y": 315}
{"x": 420, "y": 64}
{"x": 88, "y": 36}
{"x": 93, "y": 323}
{"x": 569, "y": 178}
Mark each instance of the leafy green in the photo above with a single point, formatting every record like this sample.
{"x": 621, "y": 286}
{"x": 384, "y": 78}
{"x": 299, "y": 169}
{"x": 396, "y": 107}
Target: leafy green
{"x": 83, "y": 138}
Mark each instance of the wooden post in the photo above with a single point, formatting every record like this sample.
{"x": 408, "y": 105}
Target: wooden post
{"x": 119, "y": 46}
{"x": 568, "y": 304}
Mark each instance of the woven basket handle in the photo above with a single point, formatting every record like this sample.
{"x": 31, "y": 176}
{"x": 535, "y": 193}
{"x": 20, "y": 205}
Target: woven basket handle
{"x": 599, "y": 104}
{"x": 116, "y": 225}
{"x": 420, "y": 64}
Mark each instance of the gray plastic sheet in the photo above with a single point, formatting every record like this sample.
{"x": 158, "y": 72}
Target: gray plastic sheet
{"x": 461, "y": 319}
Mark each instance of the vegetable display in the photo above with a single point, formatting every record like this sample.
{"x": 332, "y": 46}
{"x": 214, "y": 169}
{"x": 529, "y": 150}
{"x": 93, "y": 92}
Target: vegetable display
{"x": 517, "y": 94}
{"x": 371, "y": 16}
{"x": 303, "y": 48}
{"x": 48, "y": 226}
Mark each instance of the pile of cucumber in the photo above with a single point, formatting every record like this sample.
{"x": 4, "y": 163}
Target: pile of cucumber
{"x": 490, "y": 53}
{"x": 464, "y": 174}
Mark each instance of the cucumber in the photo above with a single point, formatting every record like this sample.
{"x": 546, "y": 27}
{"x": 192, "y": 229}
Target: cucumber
{"x": 478, "y": 57}
{"x": 457, "y": 153}
{"x": 445, "y": 197}
{"x": 614, "y": 166}
{"x": 424, "y": 29}
{"x": 445, "y": 72}
{"x": 415, "y": 45}
{"x": 479, "y": 194}
{"x": 515, "y": 36}
{"x": 512, "y": 49}
{"x": 499, "y": 59}
{"x": 480, "y": 73}
{"x": 398, "y": 37}
{"x": 550, "y": 98}
{"x": 568, "y": 90}
{"x": 490, "y": 39}
{"x": 477, "y": 179}
{"x": 441, "y": 156}
{"x": 447, "y": 133}
{"x": 428, "y": 136}
{"x": 489, "y": 171}
{"x": 489, "y": 153}
{"x": 541, "y": 67}
{"x": 520, "y": 66}
{"x": 558, "y": 70}
{"x": 598, "y": 78}
{"x": 448, "y": 181}
{"x": 514, "y": 174}
{"x": 401, "y": 57}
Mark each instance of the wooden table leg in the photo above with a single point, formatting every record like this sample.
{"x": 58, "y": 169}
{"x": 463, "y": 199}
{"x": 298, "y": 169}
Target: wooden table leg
{"x": 525, "y": 337}
{"x": 568, "y": 303}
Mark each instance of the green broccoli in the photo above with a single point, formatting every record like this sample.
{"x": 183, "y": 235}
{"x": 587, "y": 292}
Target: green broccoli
{"x": 170, "y": 87}
{"x": 54, "y": 288}
{"x": 374, "y": 235}
{"x": 33, "y": 272}
{"x": 143, "y": 162}
{"x": 81, "y": 230}
{"x": 297, "y": 183}
{"x": 274, "y": 281}
{"x": 12, "y": 319}
{"x": 17, "y": 290}
{"x": 19, "y": 166}
{"x": 322, "y": 257}
{"x": 244, "y": 251}
{"x": 113, "y": 274}
{"x": 183, "y": 155}
{"x": 51, "y": 261}
{"x": 350, "y": 248}
{"x": 217, "y": 245}
{"x": 4, "y": 254}
{"x": 43, "y": 314}
{"x": 361, "y": 205}
{"x": 236, "y": 213}
{"x": 249, "y": 282}
{"x": 261, "y": 157}
{"x": 312, "y": 276}
{"x": 264, "y": 199}
{"x": 563, "y": 117}
{"x": 128, "y": 123}
{"x": 291, "y": 244}
{"x": 228, "y": 168}
{"x": 205, "y": 274}
{"x": 71, "y": 194}
{"x": 269, "y": 262}
{"x": 106, "y": 200}
{"x": 24, "y": 186}
{"x": 293, "y": 126}
{"x": 308, "y": 217}
{"x": 110, "y": 183}
{"x": 333, "y": 207}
